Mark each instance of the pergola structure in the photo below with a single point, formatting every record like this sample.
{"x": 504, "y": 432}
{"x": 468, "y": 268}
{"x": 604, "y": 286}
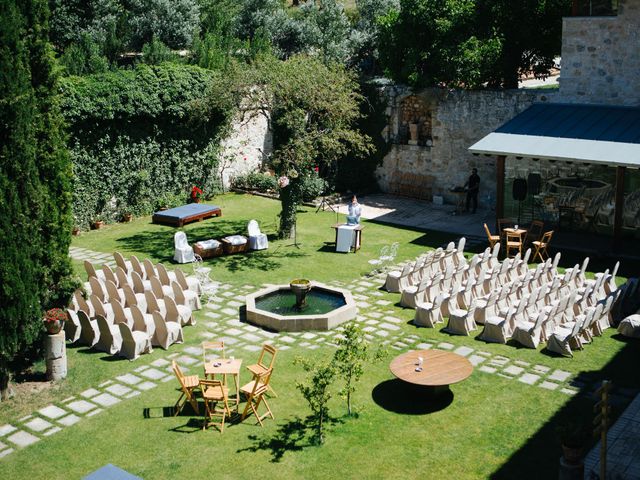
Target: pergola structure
{"x": 595, "y": 134}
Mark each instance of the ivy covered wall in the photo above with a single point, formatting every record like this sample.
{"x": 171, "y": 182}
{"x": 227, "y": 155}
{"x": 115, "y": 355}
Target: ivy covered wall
{"x": 139, "y": 139}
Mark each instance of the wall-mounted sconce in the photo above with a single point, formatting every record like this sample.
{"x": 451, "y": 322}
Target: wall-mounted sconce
{"x": 429, "y": 142}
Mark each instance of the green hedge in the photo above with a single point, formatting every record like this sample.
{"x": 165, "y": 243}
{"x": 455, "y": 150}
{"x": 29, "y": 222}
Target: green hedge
{"x": 138, "y": 138}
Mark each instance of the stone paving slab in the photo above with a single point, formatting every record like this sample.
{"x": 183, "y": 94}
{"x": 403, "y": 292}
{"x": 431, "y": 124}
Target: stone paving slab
{"x": 117, "y": 389}
{"x": 147, "y": 385}
{"x": 129, "y": 379}
{"x": 464, "y": 351}
{"x": 4, "y": 453}
{"x": 153, "y": 374}
{"x": 38, "y": 425}
{"x": 6, "y": 429}
{"x": 559, "y": 375}
{"x": 445, "y": 346}
{"x": 48, "y": 433}
{"x": 69, "y": 420}
{"x": 106, "y": 400}
{"x": 52, "y": 411}
{"x": 529, "y": 378}
{"x": 22, "y": 439}
{"x": 476, "y": 360}
{"x": 487, "y": 369}
{"x": 81, "y": 406}
{"x": 548, "y": 385}
{"x": 513, "y": 370}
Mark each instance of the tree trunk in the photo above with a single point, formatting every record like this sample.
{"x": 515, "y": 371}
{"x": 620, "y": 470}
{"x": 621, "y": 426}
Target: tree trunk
{"x": 349, "y": 401}
{"x": 288, "y": 212}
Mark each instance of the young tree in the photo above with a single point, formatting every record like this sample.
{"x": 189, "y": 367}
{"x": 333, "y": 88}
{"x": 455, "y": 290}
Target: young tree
{"x": 316, "y": 391}
{"x": 313, "y": 110}
{"x": 350, "y": 357}
{"x": 35, "y": 175}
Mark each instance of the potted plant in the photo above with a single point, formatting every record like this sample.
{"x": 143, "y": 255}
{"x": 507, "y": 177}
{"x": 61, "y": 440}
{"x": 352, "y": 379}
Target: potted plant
{"x": 54, "y": 320}
{"x": 98, "y": 223}
{"x": 127, "y": 217}
{"x": 196, "y": 194}
{"x": 573, "y": 437}
{"x": 75, "y": 231}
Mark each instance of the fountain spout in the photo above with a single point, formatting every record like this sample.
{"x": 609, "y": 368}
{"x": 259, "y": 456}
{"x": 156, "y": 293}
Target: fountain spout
{"x": 300, "y": 287}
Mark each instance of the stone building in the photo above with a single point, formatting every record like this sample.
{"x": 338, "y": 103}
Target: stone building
{"x": 581, "y": 152}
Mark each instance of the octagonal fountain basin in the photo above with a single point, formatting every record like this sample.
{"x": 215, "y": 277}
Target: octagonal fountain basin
{"x": 275, "y": 308}
{"x": 591, "y": 186}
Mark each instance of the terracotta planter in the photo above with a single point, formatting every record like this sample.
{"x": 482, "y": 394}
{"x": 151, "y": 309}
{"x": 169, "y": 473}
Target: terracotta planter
{"x": 75, "y": 231}
{"x": 127, "y": 217}
{"x": 53, "y": 328}
{"x": 196, "y": 200}
{"x": 97, "y": 225}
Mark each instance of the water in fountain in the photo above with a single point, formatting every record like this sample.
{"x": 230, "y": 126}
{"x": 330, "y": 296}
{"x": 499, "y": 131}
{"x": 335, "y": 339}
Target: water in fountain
{"x": 283, "y": 302}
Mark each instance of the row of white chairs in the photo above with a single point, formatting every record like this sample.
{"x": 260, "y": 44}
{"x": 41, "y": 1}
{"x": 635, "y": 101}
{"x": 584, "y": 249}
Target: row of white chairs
{"x": 127, "y": 314}
{"x": 545, "y": 307}
{"x": 388, "y": 254}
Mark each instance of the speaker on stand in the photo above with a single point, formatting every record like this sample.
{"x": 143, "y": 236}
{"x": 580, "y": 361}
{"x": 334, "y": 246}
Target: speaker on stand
{"x": 519, "y": 193}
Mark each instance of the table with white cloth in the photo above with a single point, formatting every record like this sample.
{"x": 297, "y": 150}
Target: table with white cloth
{"x": 348, "y": 237}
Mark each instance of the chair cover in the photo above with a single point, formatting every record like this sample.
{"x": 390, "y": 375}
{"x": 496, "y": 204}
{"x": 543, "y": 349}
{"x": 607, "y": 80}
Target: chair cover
{"x": 257, "y": 239}
{"x": 236, "y": 239}
{"x": 183, "y": 252}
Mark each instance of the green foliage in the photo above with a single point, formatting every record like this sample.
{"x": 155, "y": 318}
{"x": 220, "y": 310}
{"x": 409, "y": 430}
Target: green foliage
{"x": 173, "y": 22}
{"x": 350, "y": 357}
{"x": 470, "y": 43}
{"x": 84, "y": 57}
{"x": 316, "y": 391}
{"x": 141, "y": 134}
{"x": 326, "y": 29}
{"x": 260, "y": 182}
{"x": 35, "y": 207}
{"x": 311, "y": 187}
{"x": 155, "y": 52}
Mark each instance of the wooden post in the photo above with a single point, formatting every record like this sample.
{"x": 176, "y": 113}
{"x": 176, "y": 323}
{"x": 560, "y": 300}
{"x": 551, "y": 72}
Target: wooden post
{"x": 619, "y": 207}
{"x": 56, "y": 356}
{"x": 601, "y": 423}
{"x": 500, "y": 160}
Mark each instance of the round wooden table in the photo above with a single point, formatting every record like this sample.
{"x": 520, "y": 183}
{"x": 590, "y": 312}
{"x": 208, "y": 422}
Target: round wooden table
{"x": 439, "y": 369}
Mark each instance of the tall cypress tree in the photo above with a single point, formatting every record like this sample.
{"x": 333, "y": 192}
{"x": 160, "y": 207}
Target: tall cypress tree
{"x": 35, "y": 182}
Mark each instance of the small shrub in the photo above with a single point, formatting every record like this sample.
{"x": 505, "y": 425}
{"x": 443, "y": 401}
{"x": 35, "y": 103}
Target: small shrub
{"x": 312, "y": 186}
{"x": 316, "y": 391}
{"x": 260, "y": 182}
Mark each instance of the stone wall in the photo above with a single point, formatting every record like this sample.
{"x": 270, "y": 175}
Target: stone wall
{"x": 601, "y": 58}
{"x": 247, "y": 146}
{"x": 458, "y": 119}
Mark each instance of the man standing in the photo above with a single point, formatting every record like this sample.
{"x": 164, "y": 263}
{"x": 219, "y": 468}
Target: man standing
{"x": 473, "y": 186}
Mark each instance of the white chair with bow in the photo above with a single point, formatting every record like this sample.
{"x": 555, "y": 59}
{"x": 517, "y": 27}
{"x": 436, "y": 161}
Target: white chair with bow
{"x": 257, "y": 239}
{"x": 183, "y": 252}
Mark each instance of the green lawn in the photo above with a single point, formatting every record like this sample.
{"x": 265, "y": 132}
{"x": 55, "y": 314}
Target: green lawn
{"x": 493, "y": 427}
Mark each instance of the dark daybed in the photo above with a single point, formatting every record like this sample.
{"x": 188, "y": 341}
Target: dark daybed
{"x": 192, "y": 212}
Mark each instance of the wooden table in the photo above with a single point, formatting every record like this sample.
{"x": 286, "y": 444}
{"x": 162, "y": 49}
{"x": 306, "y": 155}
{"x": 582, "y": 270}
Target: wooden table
{"x": 520, "y": 232}
{"x": 226, "y": 367}
{"x": 358, "y": 231}
{"x": 439, "y": 369}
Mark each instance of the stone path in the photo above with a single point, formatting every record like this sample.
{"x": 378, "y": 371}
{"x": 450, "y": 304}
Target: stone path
{"x": 220, "y": 319}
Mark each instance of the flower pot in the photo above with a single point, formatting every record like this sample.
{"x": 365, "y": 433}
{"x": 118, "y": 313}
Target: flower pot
{"x": 53, "y": 327}
{"x": 127, "y": 217}
{"x": 97, "y": 225}
{"x": 196, "y": 200}
{"x": 75, "y": 231}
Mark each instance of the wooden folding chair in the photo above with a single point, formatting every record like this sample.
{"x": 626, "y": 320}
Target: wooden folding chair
{"x": 255, "y": 392}
{"x": 534, "y": 232}
{"x": 514, "y": 242}
{"x": 541, "y": 246}
{"x": 262, "y": 366}
{"x": 214, "y": 392}
{"x": 493, "y": 239}
{"x": 187, "y": 384}
{"x": 217, "y": 346}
